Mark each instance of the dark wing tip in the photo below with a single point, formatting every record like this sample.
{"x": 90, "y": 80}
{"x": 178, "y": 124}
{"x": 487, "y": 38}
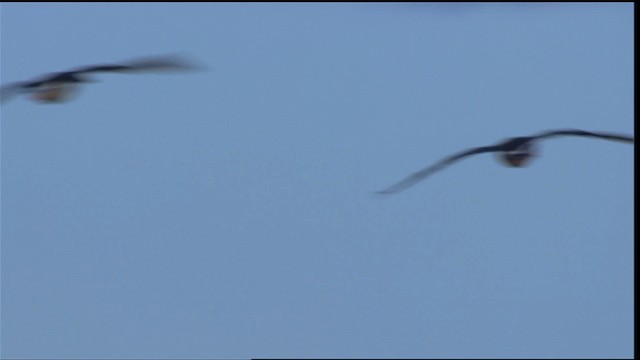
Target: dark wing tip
{"x": 578, "y": 132}
{"x": 173, "y": 62}
{"x": 401, "y": 185}
{"x": 382, "y": 193}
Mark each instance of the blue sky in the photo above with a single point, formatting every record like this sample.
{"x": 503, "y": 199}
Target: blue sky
{"x": 228, "y": 213}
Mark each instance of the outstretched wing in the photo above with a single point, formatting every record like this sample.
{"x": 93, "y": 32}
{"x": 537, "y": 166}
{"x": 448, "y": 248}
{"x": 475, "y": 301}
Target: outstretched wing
{"x": 575, "y": 132}
{"x": 422, "y": 174}
{"x": 163, "y": 63}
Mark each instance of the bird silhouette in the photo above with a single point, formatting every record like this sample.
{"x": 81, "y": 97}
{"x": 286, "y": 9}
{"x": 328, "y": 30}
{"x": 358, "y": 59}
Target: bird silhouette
{"x": 58, "y": 87}
{"x": 514, "y": 152}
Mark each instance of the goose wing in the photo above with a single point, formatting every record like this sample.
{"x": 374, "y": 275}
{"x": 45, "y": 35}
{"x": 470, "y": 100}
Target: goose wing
{"x": 424, "y": 173}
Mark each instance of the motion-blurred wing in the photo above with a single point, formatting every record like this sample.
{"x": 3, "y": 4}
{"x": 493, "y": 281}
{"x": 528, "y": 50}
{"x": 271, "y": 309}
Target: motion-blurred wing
{"x": 10, "y": 90}
{"x": 165, "y": 63}
{"x": 422, "y": 174}
{"x": 575, "y": 132}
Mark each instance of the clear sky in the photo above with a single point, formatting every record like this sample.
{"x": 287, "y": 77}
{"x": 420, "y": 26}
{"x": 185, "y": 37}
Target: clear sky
{"x": 228, "y": 213}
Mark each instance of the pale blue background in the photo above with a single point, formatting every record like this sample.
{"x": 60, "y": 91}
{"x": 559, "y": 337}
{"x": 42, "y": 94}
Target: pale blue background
{"x": 228, "y": 212}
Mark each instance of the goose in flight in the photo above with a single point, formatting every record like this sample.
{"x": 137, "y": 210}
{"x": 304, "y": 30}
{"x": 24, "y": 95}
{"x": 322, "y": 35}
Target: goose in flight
{"x": 58, "y": 87}
{"x": 514, "y": 152}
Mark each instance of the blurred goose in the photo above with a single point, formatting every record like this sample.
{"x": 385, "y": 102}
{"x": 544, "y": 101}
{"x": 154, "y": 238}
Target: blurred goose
{"x": 513, "y": 152}
{"x": 58, "y": 87}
